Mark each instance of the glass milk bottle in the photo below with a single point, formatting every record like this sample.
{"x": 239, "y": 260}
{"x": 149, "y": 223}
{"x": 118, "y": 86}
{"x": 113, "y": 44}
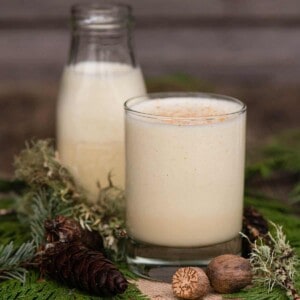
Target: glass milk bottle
{"x": 100, "y": 75}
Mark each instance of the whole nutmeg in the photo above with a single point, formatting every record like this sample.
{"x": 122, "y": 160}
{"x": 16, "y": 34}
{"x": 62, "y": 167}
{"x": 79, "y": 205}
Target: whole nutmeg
{"x": 190, "y": 283}
{"x": 229, "y": 273}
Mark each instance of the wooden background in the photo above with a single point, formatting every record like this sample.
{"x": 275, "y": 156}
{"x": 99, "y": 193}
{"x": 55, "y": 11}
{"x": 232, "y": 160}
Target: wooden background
{"x": 224, "y": 40}
{"x": 248, "y": 49}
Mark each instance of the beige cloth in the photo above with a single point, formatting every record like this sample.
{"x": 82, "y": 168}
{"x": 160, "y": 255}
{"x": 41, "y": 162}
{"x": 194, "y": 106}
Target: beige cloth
{"x": 163, "y": 291}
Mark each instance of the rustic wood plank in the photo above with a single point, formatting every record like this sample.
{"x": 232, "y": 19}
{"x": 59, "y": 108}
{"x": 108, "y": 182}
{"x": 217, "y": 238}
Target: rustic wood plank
{"x": 56, "y": 23}
{"x": 156, "y": 8}
{"x": 231, "y": 54}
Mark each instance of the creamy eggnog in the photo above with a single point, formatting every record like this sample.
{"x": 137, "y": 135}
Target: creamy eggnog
{"x": 91, "y": 123}
{"x": 185, "y": 170}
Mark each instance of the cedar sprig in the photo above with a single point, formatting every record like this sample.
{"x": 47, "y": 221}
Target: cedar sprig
{"x": 13, "y": 260}
{"x": 274, "y": 262}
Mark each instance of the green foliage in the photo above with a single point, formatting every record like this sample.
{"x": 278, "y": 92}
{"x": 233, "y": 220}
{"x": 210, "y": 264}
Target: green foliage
{"x": 280, "y": 158}
{"x": 12, "y": 260}
{"x": 273, "y": 262}
{"x": 279, "y": 214}
{"x": 45, "y": 206}
{"x": 52, "y": 190}
{"x": 273, "y": 210}
{"x": 11, "y": 228}
{"x": 38, "y": 166}
{"x": 258, "y": 293}
{"x": 107, "y": 217}
{"x": 37, "y": 289}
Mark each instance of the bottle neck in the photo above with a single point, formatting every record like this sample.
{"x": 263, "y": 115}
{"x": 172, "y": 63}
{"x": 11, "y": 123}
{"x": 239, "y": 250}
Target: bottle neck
{"x": 101, "y": 34}
{"x": 101, "y": 47}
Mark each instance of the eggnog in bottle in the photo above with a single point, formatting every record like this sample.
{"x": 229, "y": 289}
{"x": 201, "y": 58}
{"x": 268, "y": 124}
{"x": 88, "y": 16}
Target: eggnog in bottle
{"x": 101, "y": 74}
{"x": 91, "y": 123}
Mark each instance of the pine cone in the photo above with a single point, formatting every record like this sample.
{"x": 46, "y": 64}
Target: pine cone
{"x": 65, "y": 229}
{"x": 77, "y": 266}
{"x": 254, "y": 226}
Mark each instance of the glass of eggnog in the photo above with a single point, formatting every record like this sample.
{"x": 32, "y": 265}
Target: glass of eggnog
{"x": 185, "y": 155}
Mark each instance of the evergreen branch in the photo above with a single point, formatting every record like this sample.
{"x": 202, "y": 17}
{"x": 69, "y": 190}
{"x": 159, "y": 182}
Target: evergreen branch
{"x": 274, "y": 262}
{"x": 53, "y": 191}
{"x": 12, "y": 260}
{"x": 45, "y": 206}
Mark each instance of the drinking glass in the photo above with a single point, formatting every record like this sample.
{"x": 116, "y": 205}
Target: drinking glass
{"x": 185, "y": 155}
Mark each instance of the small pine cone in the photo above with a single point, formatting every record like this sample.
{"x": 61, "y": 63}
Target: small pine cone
{"x": 65, "y": 229}
{"x": 254, "y": 226}
{"x": 77, "y": 266}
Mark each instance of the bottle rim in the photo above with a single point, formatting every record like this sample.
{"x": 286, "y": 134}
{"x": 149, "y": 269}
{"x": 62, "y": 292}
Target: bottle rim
{"x": 100, "y": 15}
